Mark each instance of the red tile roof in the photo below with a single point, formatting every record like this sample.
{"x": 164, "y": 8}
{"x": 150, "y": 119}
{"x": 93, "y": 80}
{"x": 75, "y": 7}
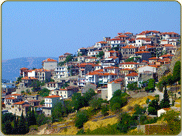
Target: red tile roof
{"x": 140, "y": 52}
{"x": 111, "y": 67}
{"x": 167, "y": 55}
{"x": 11, "y": 98}
{"x": 153, "y": 58}
{"x": 132, "y": 74}
{"x": 16, "y": 94}
{"x": 102, "y": 42}
{"x": 19, "y": 103}
{"x": 129, "y": 47}
{"x": 24, "y": 68}
{"x": 129, "y": 63}
{"x": 127, "y": 33}
{"x": 127, "y": 69}
{"x": 168, "y": 45}
{"x": 49, "y": 60}
{"x": 122, "y": 36}
{"x": 67, "y": 53}
{"x": 29, "y": 78}
{"x": 52, "y": 96}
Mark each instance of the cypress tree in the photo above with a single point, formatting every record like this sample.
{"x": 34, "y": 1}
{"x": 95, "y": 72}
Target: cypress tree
{"x": 15, "y": 129}
{"x": 165, "y": 101}
{"x": 22, "y": 125}
{"x": 33, "y": 117}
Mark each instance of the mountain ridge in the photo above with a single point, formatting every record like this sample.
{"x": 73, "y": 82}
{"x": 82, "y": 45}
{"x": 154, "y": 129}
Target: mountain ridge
{"x": 11, "y": 67}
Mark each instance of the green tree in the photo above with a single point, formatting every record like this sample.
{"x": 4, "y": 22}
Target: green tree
{"x": 8, "y": 128}
{"x": 177, "y": 71}
{"x": 165, "y": 101}
{"x": 153, "y": 107}
{"x": 42, "y": 102}
{"x": 95, "y": 103}
{"x": 36, "y": 85}
{"x": 104, "y": 110}
{"x": 88, "y": 96}
{"x": 44, "y": 92}
{"x": 132, "y": 86}
{"x": 22, "y": 125}
{"x": 100, "y": 55}
{"x": 81, "y": 117}
{"x": 151, "y": 84}
{"x": 69, "y": 58}
{"x": 78, "y": 101}
{"x": 15, "y": 128}
{"x": 57, "y": 112}
{"x": 173, "y": 121}
{"x": 124, "y": 123}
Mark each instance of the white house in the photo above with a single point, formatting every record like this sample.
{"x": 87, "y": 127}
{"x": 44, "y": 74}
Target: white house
{"x": 130, "y": 65}
{"x": 50, "y": 101}
{"x": 112, "y": 87}
{"x": 100, "y": 44}
{"x": 147, "y": 68}
{"x": 162, "y": 111}
{"x": 49, "y": 64}
{"x": 130, "y": 78}
{"x": 61, "y": 71}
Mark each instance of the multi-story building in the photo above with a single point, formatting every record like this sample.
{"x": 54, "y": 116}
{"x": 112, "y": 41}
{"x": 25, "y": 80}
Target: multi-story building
{"x": 127, "y": 51}
{"x": 49, "y": 64}
{"x": 61, "y": 71}
{"x": 49, "y": 103}
{"x": 131, "y": 78}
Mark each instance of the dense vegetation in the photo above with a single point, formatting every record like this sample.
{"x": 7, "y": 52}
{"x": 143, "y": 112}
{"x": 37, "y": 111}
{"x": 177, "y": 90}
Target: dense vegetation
{"x": 12, "y": 124}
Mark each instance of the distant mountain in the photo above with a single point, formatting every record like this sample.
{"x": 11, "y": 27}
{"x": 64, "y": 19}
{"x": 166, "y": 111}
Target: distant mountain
{"x": 11, "y": 68}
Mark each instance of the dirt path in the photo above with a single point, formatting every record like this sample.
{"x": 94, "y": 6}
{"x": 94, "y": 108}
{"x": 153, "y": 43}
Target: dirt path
{"x": 41, "y": 131}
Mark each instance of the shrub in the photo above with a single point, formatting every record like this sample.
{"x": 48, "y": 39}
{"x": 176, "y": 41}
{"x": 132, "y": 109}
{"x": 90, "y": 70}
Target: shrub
{"x": 104, "y": 110}
{"x": 80, "y": 132}
{"x": 81, "y": 117}
{"x": 33, "y": 127}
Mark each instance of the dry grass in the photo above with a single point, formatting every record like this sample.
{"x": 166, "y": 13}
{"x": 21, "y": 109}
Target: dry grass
{"x": 178, "y": 101}
{"x": 140, "y": 101}
{"x": 94, "y": 125}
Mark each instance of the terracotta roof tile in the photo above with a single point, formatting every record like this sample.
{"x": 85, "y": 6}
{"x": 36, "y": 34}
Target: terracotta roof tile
{"x": 52, "y": 96}
{"x": 49, "y": 60}
{"x": 129, "y": 47}
{"x": 140, "y": 52}
{"x": 132, "y": 74}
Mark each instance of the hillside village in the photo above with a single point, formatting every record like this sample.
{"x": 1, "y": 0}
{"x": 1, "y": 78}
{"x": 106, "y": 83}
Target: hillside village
{"x": 128, "y": 62}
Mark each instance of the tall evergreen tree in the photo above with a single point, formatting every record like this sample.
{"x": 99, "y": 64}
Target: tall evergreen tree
{"x": 8, "y": 127}
{"x": 33, "y": 118}
{"x": 22, "y": 125}
{"x": 165, "y": 101}
{"x": 15, "y": 129}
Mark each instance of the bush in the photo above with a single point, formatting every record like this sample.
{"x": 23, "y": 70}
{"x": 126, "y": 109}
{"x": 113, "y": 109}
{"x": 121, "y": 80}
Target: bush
{"x": 33, "y": 127}
{"x": 152, "y": 111}
{"x": 80, "y": 132}
{"x": 104, "y": 110}
{"x": 81, "y": 117}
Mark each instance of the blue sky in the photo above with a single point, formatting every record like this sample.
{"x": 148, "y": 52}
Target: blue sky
{"x": 49, "y": 29}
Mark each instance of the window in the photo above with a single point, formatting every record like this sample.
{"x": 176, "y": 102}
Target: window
{"x": 64, "y": 95}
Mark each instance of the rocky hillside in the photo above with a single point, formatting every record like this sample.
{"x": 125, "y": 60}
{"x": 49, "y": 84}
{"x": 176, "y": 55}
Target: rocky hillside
{"x": 166, "y": 68}
{"x": 11, "y": 68}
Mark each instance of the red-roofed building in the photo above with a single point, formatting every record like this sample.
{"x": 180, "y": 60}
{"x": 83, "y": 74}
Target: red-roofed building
{"x": 50, "y": 102}
{"x": 99, "y": 77}
{"x": 167, "y": 35}
{"x": 23, "y": 72}
{"x": 142, "y": 41}
{"x": 49, "y": 64}
{"x": 128, "y": 51}
{"x": 128, "y": 65}
{"x": 144, "y": 55}
{"x": 82, "y": 51}
{"x": 169, "y": 48}
{"x": 100, "y": 44}
{"x": 131, "y": 78}
{"x": 108, "y": 54}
